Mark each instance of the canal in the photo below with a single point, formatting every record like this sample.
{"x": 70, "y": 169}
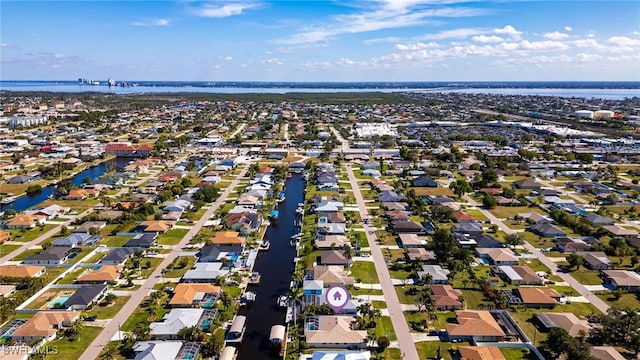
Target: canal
{"x": 276, "y": 268}
{"x": 27, "y": 201}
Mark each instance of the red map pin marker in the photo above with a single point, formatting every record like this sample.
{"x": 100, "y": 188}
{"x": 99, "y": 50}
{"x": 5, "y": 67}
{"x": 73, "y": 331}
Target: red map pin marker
{"x": 337, "y": 297}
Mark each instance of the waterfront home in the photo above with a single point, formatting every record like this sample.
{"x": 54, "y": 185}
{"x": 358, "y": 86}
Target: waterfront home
{"x": 337, "y": 355}
{"x": 76, "y": 194}
{"x": 178, "y": 319}
{"x": 243, "y": 222}
{"x": 44, "y": 325}
{"x": 103, "y": 274}
{"x": 517, "y": 275}
{"x": 205, "y": 273}
{"x": 332, "y": 229}
{"x": 535, "y": 297}
{"x": 21, "y": 271}
{"x": 25, "y": 221}
{"x": 563, "y": 320}
{"x": 445, "y": 297}
{"x": 194, "y": 295}
{"x": 50, "y": 212}
{"x": 56, "y": 255}
{"x": 331, "y": 275}
{"x": 84, "y": 297}
{"x": 437, "y": 273}
{"x": 475, "y": 326}
{"x": 247, "y": 200}
{"x": 497, "y": 256}
{"x": 326, "y": 207}
{"x": 480, "y": 353}
{"x": 324, "y": 242}
{"x": 331, "y": 331}
{"x": 334, "y": 257}
{"x": 21, "y": 179}
{"x": 622, "y": 279}
{"x": 213, "y": 253}
{"x": 117, "y": 256}
{"x": 157, "y": 350}
{"x": 227, "y": 238}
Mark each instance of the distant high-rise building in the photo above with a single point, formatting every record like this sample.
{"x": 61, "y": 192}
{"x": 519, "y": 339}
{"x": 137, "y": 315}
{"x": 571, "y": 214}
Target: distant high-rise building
{"x": 111, "y": 82}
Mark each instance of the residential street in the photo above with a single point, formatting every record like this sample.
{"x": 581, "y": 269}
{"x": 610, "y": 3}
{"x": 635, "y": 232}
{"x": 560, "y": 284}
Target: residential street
{"x": 593, "y": 299}
{"x": 93, "y": 351}
{"x": 400, "y": 326}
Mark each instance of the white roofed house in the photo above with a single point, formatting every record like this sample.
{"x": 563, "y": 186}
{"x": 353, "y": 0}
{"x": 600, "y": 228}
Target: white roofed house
{"x": 177, "y": 319}
{"x": 330, "y": 331}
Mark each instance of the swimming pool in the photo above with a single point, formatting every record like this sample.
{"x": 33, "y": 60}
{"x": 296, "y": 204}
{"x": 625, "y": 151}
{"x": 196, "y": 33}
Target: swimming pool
{"x": 59, "y": 300}
{"x": 209, "y": 303}
{"x": 483, "y": 261}
{"x": 204, "y": 325}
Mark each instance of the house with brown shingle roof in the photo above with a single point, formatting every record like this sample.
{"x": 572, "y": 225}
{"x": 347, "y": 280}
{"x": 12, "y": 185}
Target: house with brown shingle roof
{"x": 538, "y": 297}
{"x": 105, "y": 274}
{"x": 4, "y": 236}
{"x": 517, "y": 275}
{"x": 497, "y": 256}
{"x": 480, "y": 353}
{"x": 159, "y": 226}
{"x": 25, "y": 221}
{"x": 194, "y": 294}
{"x": 331, "y": 331}
{"x": 21, "y": 271}
{"x": 475, "y": 325}
{"x": 76, "y": 194}
{"x": 331, "y": 274}
{"x": 334, "y": 257}
{"x": 564, "y": 320}
{"x": 622, "y": 279}
{"x": 44, "y": 325}
{"x": 445, "y": 297}
{"x": 227, "y": 238}
{"x": 606, "y": 353}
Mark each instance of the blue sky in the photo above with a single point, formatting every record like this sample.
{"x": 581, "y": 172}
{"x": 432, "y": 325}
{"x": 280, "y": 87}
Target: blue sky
{"x": 342, "y": 40}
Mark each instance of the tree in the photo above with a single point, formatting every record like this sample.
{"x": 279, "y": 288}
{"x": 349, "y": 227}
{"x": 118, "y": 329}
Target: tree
{"x": 460, "y": 187}
{"x": 443, "y": 244}
{"x": 213, "y": 345}
{"x": 575, "y": 261}
{"x": 347, "y": 252}
{"x": 109, "y": 352}
{"x": 142, "y": 331}
{"x": 191, "y": 333}
{"x": 74, "y": 329}
{"x": 556, "y": 342}
{"x": 383, "y": 343}
{"x": 64, "y": 230}
{"x": 489, "y": 202}
{"x": 514, "y": 239}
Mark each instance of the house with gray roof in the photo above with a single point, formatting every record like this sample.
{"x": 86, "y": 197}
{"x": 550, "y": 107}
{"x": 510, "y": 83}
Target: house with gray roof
{"x": 205, "y": 272}
{"x": 438, "y": 274}
{"x": 84, "y": 297}
{"x": 546, "y": 229}
{"x": 117, "y": 256}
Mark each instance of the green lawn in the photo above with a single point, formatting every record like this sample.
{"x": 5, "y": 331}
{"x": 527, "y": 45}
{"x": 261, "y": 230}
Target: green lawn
{"x": 534, "y": 264}
{"x": 175, "y": 271}
{"x": 7, "y": 249}
{"x": 628, "y": 300}
{"x": 73, "y": 349}
{"x": 154, "y": 262}
{"x": 116, "y": 241}
{"x": 365, "y": 271}
{"x": 516, "y": 354}
{"x": 429, "y": 349}
{"x": 28, "y": 235}
{"x": 385, "y": 328}
{"x": 172, "y": 237}
{"x": 473, "y": 298}
{"x": 26, "y": 254}
{"x": 504, "y": 212}
{"x": 196, "y": 215}
{"x": 109, "y": 311}
{"x": 72, "y": 276}
{"x": 404, "y": 297}
{"x": 587, "y": 277}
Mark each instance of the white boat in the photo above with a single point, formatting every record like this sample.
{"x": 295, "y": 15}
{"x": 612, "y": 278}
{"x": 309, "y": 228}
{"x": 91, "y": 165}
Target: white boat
{"x": 265, "y": 245}
{"x": 283, "y": 301}
{"x": 8, "y": 200}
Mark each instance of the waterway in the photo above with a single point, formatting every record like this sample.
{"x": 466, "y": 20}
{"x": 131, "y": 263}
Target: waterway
{"x": 27, "y": 201}
{"x": 276, "y": 267}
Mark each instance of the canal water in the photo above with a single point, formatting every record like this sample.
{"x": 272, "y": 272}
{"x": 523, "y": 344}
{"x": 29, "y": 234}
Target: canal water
{"x": 27, "y": 201}
{"x": 276, "y": 268}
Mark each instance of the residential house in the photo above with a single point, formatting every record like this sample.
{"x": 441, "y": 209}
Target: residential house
{"x": 334, "y": 331}
{"x": 103, "y": 274}
{"x": 84, "y": 297}
{"x": 176, "y": 206}
{"x": 372, "y": 173}
{"x": 324, "y": 242}
{"x": 546, "y": 229}
{"x": 538, "y": 297}
{"x": 437, "y": 273}
{"x": 56, "y": 255}
{"x": 244, "y": 222}
{"x": 622, "y": 279}
{"x": 44, "y": 325}
{"x": 25, "y": 221}
{"x": 462, "y": 217}
{"x": 526, "y": 184}
{"x": 468, "y": 227}
{"x": 563, "y": 320}
{"x": 445, "y": 297}
{"x": 567, "y": 244}
{"x": 77, "y": 239}
{"x": 476, "y": 240}
{"x": 334, "y": 257}
{"x": 156, "y": 226}
{"x": 332, "y": 229}
{"x": 248, "y": 201}
{"x": 205, "y": 273}
{"x": 145, "y": 240}
{"x": 337, "y": 355}
{"x": 330, "y": 275}
{"x": 596, "y": 260}
{"x": 7, "y": 290}
{"x": 475, "y": 326}
{"x": 227, "y": 238}
{"x": 194, "y": 295}
{"x": 117, "y": 256}
{"x": 518, "y": 275}
{"x": 21, "y": 179}
{"x": 396, "y": 206}
{"x": 606, "y": 353}
{"x": 177, "y": 319}
{"x": 596, "y": 219}
{"x": 76, "y": 194}
{"x": 390, "y": 196}
{"x": 160, "y": 350}
{"x": 412, "y": 240}
{"x": 214, "y": 253}
{"x": 420, "y": 254}
{"x": 326, "y": 207}
{"x": 371, "y": 165}
{"x": 88, "y": 225}
{"x": 497, "y": 256}
{"x": 424, "y": 181}
{"x": 21, "y": 271}
{"x": 480, "y": 353}
{"x": 410, "y": 226}
{"x": 618, "y": 231}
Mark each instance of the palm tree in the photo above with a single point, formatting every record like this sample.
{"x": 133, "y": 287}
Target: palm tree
{"x": 347, "y": 252}
{"x": 192, "y": 333}
{"x": 109, "y": 352}
{"x": 75, "y": 328}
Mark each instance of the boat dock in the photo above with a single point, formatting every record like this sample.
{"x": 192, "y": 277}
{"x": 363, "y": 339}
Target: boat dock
{"x": 254, "y": 279}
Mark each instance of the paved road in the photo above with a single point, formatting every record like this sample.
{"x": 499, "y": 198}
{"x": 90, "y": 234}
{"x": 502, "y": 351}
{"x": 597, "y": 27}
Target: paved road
{"x": 236, "y": 131}
{"x": 42, "y": 237}
{"x": 344, "y": 143}
{"x": 405, "y": 340}
{"x": 93, "y": 351}
{"x": 593, "y": 299}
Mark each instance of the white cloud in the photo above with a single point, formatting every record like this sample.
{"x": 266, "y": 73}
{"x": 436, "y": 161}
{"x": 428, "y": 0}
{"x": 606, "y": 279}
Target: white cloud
{"x": 546, "y": 45}
{"x": 510, "y": 31}
{"x": 617, "y": 44}
{"x": 624, "y": 41}
{"x": 487, "y": 39}
{"x": 227, "y": 58}
{"x": 5, "y": 45}
{"x": 152, "y": 22}
{"x": 387, "y": 14}
{"x": 417, "y": 46}
{"x": 272, "y": 61}
{"x": 211, "y": 11}
{"x": 461, "y": 33}
{"x": 556, "y": 35}
{"x": 568, "y": 28}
